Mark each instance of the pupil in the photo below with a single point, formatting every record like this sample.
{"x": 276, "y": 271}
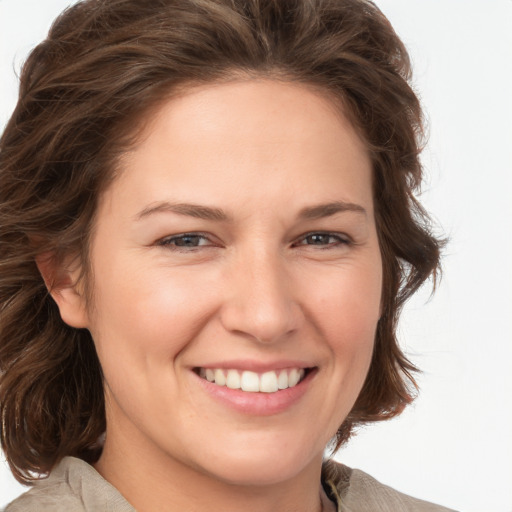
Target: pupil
{"x": 319, "y": 239}
{"x": 187, "y": 241}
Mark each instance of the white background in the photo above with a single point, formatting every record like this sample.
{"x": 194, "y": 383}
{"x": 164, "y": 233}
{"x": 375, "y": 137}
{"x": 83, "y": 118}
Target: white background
{"x": 454, "y": 446}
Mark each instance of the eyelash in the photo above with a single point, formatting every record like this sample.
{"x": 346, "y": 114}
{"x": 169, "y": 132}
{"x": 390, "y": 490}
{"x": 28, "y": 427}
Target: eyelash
{"x": 340, "y": 239}
{"x": 169, "y": 242}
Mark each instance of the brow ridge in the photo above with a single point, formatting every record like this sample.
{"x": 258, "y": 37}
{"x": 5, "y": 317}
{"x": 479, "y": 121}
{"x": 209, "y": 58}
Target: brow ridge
{"x": 190, "y": 209}
{"x": 217, "y": 214}
{"x": 328, "y": 209}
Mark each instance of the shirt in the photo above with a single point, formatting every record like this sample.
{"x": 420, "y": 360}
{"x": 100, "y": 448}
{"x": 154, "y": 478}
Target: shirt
{"x": 75, "y": 486}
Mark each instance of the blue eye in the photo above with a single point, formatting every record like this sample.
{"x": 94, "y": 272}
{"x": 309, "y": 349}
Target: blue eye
{"x": 324, "y": 240}
{"x": 187, "y": 240}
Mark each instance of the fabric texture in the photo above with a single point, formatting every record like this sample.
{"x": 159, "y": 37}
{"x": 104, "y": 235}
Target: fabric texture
{"x": 356, "y": 491}
{"x": 75, "y": 486}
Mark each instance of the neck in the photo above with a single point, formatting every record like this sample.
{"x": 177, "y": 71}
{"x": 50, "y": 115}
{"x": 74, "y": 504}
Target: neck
{"x": 176, "y": 486}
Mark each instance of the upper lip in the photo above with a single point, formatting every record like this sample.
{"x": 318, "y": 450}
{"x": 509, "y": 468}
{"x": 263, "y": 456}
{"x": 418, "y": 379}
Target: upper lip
{"x": 256, "y": 366}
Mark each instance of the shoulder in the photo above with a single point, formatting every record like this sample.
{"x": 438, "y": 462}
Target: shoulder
{"x": 73, "y": 486}
{"x": 46, "y": 499}
{"x": 356, "y": 491}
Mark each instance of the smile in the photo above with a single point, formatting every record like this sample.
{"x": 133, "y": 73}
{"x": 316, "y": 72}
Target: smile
{"x": 253, "y": 382}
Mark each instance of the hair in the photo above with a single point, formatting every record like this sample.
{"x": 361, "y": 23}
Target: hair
{"x": 104, "y": 64}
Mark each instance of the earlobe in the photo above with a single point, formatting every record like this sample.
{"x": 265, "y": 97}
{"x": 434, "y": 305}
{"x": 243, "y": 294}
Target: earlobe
{"x": 61, "y": 281}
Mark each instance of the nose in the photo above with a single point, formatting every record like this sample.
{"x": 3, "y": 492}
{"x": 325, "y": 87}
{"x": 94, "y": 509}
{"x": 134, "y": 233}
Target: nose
{"x": 260, "y": 301}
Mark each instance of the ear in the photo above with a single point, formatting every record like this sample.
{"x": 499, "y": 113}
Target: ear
{"x": 61, "y": 281}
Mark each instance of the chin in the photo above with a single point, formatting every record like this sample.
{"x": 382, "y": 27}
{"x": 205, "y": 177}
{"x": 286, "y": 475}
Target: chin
{"x": 261, "y": 465}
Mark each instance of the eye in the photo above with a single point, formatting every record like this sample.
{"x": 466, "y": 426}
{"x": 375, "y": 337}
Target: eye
{"x": 324, "y": 240}
{"x": 185, "y": 241}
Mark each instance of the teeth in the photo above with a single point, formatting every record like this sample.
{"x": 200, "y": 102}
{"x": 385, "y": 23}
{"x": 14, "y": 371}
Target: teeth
{"x": 232, "y": 379}
{"x": 252, "y": 382}
{"x": 268, "y": 382}
{"x": 220, "y": 378}
{"x": 293, "y": 378}
{"x": 282, "y": 381}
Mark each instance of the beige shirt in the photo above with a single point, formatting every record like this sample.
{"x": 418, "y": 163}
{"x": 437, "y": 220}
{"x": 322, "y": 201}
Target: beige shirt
{"x": 75, "y": 486}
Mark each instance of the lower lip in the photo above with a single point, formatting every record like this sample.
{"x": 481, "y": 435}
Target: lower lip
{"x": 258, "y": 404}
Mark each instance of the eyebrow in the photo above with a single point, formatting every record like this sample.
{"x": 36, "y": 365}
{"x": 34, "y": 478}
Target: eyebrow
{"x": 192, "y": 210}
{"x": 216, "y": 214}
{"x": 326, "y": 210}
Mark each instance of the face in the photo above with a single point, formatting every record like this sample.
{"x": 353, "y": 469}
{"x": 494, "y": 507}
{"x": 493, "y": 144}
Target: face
{"x": 236, "y": 282}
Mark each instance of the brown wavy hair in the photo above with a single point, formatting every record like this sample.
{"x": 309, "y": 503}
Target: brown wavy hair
{"x": 104, "y": 64}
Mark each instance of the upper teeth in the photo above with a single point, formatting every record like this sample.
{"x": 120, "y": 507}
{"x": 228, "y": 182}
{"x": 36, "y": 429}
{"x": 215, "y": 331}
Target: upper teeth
{"x": 268, "y": 382}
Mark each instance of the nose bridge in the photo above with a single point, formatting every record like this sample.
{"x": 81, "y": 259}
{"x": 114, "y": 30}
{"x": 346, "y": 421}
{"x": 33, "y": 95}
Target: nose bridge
{"x": 260, "y": 301}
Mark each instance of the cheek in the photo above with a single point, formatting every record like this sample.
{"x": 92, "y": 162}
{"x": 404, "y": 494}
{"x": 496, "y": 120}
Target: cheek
{"x": 146, "y": 314}
{"x": 347, "y": 310}
{"x": 348, "y": 303}
{"x": 142, "y": 325}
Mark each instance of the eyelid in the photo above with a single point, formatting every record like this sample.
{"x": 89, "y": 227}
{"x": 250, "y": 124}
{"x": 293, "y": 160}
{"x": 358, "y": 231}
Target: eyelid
{"x": 165, "y": 241}
{"x": 343, "y": 238}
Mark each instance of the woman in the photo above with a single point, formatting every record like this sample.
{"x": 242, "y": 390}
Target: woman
{"x": 208, "y": 232}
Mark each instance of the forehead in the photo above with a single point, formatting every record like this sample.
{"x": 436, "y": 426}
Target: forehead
{"x": 275, "y": 137}
{"x": 251, "y": 109}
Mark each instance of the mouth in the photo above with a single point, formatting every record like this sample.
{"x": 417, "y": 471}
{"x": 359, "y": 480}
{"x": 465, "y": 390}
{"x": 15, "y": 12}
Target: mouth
{"x": 254, "y": 382}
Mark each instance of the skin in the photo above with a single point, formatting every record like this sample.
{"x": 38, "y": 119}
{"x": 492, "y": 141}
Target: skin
{"x": 252, "y": 288}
